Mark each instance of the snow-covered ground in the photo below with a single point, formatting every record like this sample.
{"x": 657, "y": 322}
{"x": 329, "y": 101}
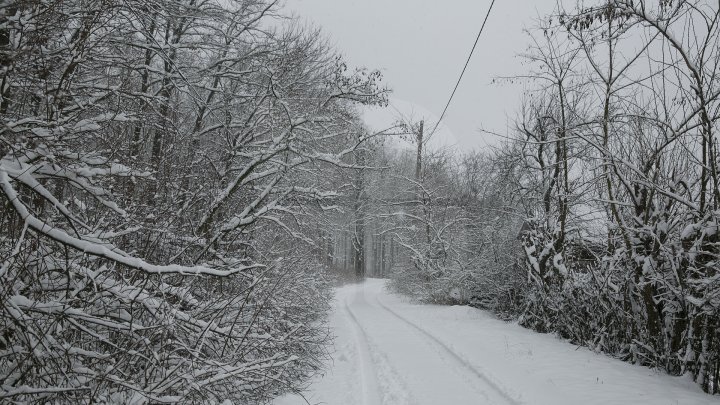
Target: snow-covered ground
{"x": 388, "y": 351}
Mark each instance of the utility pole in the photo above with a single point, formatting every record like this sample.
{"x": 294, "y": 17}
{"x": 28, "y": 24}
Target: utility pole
{"x": 418, "y": 163}
{"x": 418, "y": 178}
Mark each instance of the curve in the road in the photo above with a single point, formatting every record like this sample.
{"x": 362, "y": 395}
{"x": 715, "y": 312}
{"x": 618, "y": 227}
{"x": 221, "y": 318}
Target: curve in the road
{"x": 454, "y": 355}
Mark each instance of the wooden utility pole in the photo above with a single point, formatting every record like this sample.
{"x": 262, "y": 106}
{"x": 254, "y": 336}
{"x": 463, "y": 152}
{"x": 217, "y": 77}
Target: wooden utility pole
{"x": 418, "y": 178}
{"x": 418, "y": 162}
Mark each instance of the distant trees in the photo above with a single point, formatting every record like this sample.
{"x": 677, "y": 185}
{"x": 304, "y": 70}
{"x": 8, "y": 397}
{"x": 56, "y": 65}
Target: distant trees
{"x": 437, "y": 223}
{"x": 160, "y": 164}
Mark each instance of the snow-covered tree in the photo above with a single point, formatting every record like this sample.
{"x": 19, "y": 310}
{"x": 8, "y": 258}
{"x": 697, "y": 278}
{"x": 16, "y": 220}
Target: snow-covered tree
{"x": 160, "y": 161}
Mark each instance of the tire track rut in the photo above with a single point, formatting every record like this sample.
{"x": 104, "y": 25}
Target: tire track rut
{"x": 501, "y": 392}
{"x": 370, "y": 388}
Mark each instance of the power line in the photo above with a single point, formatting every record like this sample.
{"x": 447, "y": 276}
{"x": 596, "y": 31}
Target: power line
{"x": 464, "y": 68}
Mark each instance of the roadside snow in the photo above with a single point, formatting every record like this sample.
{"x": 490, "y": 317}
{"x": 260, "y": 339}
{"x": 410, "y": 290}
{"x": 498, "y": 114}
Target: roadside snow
{"x": 390, "y": 352}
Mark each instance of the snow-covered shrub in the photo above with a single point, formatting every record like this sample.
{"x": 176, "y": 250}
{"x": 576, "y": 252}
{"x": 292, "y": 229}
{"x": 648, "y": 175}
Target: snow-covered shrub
{"x": 430, "y": 281}
{"x": 78, "y": 328}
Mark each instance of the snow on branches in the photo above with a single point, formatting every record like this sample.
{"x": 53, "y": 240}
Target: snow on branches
{"x": 157, "y": 163}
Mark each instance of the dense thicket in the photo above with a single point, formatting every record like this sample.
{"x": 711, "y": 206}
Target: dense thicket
{"x": 599, "y": 218}
{"x": 161, "y": 162}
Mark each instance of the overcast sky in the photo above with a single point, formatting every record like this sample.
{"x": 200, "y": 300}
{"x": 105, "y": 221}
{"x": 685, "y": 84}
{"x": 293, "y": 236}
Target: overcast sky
{"x": 421, "y": 46}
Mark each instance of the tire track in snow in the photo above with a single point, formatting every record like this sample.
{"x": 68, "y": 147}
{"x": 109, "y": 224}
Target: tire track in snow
{"x": 454, "y": 355}
{"x": 370, "y": 387}
{"x": 392, "y": 386}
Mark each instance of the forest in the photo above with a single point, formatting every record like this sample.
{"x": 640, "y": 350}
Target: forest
{"x": 184, "y": 182}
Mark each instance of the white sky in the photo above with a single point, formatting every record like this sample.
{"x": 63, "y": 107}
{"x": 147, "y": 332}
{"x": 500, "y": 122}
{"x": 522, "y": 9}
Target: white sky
{"x": 421, "y": 46}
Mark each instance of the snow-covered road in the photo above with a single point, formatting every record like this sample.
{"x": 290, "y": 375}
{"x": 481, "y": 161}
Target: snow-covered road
{"x": 388, "y": 351}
